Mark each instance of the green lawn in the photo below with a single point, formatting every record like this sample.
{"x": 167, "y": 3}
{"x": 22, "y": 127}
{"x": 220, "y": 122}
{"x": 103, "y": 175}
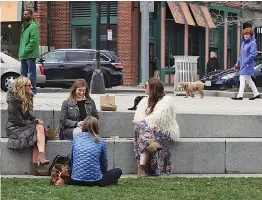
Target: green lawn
{"x": 137, "y": 189}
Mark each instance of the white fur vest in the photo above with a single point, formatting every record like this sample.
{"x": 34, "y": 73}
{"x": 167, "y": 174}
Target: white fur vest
{"x": 163, "y": 117}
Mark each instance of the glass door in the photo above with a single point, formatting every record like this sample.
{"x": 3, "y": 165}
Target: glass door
{"x": 81, "y": 37}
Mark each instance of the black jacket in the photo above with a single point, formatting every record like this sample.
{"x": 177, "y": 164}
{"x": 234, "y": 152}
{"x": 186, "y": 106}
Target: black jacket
{"x": 212, "y": 65}
{"x": 70, "y": 116}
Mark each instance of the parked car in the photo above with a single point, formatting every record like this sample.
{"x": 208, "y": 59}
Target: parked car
{"x": 64, "y": 66}
{"x": 224, "y": 79}
{"x": 10, "y": 70}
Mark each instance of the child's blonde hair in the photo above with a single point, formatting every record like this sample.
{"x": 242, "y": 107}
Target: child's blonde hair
{"x": 91, "y": 125}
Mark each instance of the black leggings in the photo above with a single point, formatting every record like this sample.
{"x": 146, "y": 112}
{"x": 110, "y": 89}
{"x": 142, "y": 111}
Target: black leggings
{"x": 109, "y": 178}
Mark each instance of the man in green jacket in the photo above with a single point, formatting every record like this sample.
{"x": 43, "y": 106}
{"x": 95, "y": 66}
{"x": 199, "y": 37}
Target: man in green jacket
{"x": 29, "y": 47}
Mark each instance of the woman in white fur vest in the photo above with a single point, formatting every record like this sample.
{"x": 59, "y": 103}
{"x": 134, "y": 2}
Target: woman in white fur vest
{"x": 155, "y": 129}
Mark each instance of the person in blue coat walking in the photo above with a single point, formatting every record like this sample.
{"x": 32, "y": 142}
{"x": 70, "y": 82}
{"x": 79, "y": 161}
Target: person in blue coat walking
{"x": 246, "y": 63}
{"x": 89, "y": 158}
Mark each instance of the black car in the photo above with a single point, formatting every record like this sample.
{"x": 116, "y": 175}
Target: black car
{"x": 63, "y": 66}
{"x": 224, "y": 79}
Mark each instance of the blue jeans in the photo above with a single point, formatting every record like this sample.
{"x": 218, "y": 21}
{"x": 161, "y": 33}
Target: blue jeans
{"x": 28, "y": 67}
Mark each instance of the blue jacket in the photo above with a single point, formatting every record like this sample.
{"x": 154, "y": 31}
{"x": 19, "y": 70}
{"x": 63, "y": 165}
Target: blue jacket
{"x": 89, "y": 158}
{"x": 247, "y": 56}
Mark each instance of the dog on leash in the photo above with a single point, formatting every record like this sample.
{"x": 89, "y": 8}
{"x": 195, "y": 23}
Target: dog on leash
{"x": 191, "y": 87}
{"x": 136, "y": 102}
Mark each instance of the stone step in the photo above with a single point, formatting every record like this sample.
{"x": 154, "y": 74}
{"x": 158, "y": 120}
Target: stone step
{"x": 189, "y": 156}
{"x": 191, "y": 125}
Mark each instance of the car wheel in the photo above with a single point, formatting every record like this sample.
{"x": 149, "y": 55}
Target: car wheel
{"x": 7, "y": 81}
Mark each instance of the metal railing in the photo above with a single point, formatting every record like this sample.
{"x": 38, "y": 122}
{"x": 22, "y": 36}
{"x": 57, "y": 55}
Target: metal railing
{"x": 186, "y": 70}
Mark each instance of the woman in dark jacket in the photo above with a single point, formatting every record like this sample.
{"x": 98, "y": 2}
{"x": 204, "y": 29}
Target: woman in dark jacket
{"x": 76, "y": 109}
{"x": 22, "y": 128}
{"x": 213, "y": 62}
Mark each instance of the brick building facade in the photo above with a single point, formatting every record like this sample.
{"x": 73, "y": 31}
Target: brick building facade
{"x": 167, "y": 37}
{"x": 127, "y": 33}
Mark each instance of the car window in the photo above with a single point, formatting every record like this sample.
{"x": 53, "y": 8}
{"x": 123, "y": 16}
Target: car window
{"x": 55, "y": 56}
{"x": 112, "y": 56}
{"x": 79, "y": 56}
{"x": 103, "y": 58}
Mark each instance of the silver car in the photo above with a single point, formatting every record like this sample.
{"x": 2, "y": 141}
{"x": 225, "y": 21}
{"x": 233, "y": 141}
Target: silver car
{"x": 10, "y": 70}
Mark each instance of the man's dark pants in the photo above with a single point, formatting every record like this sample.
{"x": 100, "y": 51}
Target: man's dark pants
{"x": 28, "y": 67}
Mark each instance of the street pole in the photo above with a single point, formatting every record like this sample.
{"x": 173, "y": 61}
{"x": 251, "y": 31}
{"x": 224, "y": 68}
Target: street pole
{"x": 108, "y": 24}
{"x": 145, "y": 43}
{"x": 97, "y": 85}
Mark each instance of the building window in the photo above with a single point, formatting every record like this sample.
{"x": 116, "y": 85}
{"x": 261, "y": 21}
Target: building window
{"x": 229, "y": 36}
{"x": 80, "y": 9}
{"x": 81, "y": 37}
{"x": 213, "y": 36}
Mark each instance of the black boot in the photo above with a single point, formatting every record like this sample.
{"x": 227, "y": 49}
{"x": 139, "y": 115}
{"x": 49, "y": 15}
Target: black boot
{"x": 256, "y": 97}
{"x": 237, "y": 98}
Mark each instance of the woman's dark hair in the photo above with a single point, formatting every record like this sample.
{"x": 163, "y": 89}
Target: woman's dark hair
{"x": 91, "y": 125}
{"x": 156, "y": 90}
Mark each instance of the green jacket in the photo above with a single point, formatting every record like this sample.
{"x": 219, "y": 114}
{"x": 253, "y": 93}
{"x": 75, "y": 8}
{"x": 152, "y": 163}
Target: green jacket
{"x": 29, "y": 42}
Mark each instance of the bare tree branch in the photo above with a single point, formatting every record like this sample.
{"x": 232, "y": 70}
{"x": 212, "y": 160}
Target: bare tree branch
{"x": 219, "y": 19}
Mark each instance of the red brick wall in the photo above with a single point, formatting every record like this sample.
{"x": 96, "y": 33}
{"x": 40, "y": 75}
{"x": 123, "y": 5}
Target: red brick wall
{"x": 127, "y": 45}
{"x": 60, "y": 24}
{"x": 40, "y": 17}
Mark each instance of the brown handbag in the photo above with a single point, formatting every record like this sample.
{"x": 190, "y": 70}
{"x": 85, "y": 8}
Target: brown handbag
{"x": 60, "y": 174}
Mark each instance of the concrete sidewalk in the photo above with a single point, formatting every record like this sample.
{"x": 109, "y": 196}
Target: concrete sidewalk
{"x": 207, "y": 105}
{"x": 139, "y": 90}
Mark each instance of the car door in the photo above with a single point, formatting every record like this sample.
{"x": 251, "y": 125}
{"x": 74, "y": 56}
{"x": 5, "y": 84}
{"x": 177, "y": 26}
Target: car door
{"x": 78, "y": 64}
{"x": 54, "y": 66}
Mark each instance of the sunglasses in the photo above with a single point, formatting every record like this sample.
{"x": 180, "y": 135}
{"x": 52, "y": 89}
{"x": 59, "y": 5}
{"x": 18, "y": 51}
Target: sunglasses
{"x": 29, "y": 85}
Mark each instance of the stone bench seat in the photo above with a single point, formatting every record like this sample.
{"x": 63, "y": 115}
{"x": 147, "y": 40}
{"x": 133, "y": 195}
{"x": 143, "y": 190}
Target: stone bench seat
{"x": 189, "y": 155}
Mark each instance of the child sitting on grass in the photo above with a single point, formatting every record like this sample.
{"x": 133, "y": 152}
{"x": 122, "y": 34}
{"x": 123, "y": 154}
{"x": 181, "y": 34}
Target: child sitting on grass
{"x": 89, "y": 158}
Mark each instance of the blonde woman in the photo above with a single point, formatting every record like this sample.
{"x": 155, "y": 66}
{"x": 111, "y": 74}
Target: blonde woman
{"x": 76, "y": 109}
{"x": 22, "y": 128}
{"x": 89, "y": 158}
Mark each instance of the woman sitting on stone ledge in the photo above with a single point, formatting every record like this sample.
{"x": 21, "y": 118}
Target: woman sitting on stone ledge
{"x": 155, "y": 129}
{"x": 22, "y": 128}
{"x": 76, "y": 109}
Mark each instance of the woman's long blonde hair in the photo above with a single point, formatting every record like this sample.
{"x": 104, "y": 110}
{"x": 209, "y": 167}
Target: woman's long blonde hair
{"x": 19, "y": 91}
{"x": 91, "y": 125}
{"x": 77, "y": 84}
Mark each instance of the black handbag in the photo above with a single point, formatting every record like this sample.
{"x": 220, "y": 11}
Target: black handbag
{"x": 61, "y": 160}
